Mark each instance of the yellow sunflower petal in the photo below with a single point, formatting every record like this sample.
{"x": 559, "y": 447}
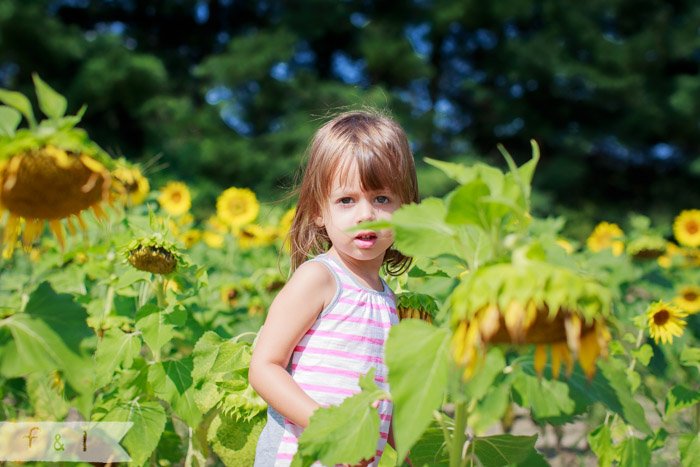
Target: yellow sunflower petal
{"x": 540, "y": 359}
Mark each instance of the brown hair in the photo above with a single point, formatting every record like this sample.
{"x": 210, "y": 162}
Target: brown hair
{"x": 380, "y": 148}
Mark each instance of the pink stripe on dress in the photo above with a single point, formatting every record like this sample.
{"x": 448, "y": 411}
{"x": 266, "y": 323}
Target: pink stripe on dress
{"x": 354, "y": 319}
{"x": 332, "y": 371}
{"x": 339, "y": 353}
{"x": 374, "y": 306}
{"x": 328, "y": 389}
{"x": 342, "y": 335}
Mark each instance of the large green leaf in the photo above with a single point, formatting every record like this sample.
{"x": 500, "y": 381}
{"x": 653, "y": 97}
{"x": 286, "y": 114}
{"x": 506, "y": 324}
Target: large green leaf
{"x": 47, "y": 336}
{"x": 172, "y": 381}
{"x": 600, "y": 441}
{"x": 501, "y": 450}
{"x": 157, "y": 324}
{"x": 464, "y": 206}
{"x": 548, "y": 399}
{"x": 417, "y": 357}
{"x": 478, "y": 385}
{"x": 689, "y": 448}
{"x": 20, "y": 102}
{"x": 234, "y": 440}
{"x": 430, "y": 449}
{"x": 420, "y": 229}
{"x": 216, "y": 360}
{"x": 149, "y": 422}
{"x": 635, "y": 453}
{"x": 117, "y": 348}
{"x": 9, "y": 119}
{"x": 609, "y": 386}
{"x": 680, "y": 397}
{"x": 50, "y": 102}
{"x": 343, "y": 434}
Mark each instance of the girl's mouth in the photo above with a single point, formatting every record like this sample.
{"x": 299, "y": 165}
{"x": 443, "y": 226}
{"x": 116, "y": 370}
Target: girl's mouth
{"x": 366, "y": 240}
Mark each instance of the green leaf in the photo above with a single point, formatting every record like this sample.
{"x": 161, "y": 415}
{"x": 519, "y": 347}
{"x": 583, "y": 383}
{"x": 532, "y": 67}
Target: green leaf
{"x": 491, "y": 408}
{"x": 50, "y": 102}
{"x": 157, "y": 325}
{"x": 343, "y": 434}
{"x": 9, "y": 120}
{"x": 47, "y": 337}
{"x": 172, "y": 381}
{"x": 690, "y": 356}
{"x": 680, "y": 397}
{"x": 420, "y": 229}
{"x": 547, "y": 398}
{"x": 464, "y": 206}
{"x": 234, "y": 440}
{"x": 609, "y": 386}
{"x": 689, "y": 448}
{"x": 20, "y": 102}
{"x": 430, "y": 449}
{"x": 635, "y": 453}
{"x": 416, "y": 351}
{"x": 600, "y": 441}
{"x": 502, "y": 450}
{"x": 494, "y": 363}
{"x": 458, "y": 172}
{"x": 117, "y": 348}
{"x": 643, "y": 354}
{"x": 149, "y": 422}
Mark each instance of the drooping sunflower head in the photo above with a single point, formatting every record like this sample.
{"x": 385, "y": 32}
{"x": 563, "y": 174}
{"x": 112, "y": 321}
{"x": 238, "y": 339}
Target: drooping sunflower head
{"x": 153, "y": 255}
{"x": 665, "y": 321}
{"x": 532, "y": 303}
{"x": 606, "y": 235}
{"x": 414, "y": 305}
{"x": 688, "y": 299}
{"x": 647, "y": 247}
{"x": 130, "y": 183}
{"x": 237, "y": 207}
{"x": 48, "y": 171}
{"x": 686, "y": 228}
{"x": 175, "y": 198}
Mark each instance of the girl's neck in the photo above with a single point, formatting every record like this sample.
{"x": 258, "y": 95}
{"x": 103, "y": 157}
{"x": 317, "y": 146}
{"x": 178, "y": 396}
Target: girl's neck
{"x": 365, "y": 272}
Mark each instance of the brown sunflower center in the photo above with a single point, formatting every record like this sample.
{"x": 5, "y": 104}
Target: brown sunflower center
{"x": 661, "y": 317}
{"x": 692, "y": 227}
{"x": 690, "y": 296}
{"x": 176, "y": 197}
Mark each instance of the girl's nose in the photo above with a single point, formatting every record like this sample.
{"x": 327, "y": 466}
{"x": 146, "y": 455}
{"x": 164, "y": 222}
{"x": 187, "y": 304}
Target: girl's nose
{"x": 365, "y": 212}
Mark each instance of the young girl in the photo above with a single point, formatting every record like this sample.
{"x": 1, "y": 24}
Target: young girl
{"x": 329, "y": 324}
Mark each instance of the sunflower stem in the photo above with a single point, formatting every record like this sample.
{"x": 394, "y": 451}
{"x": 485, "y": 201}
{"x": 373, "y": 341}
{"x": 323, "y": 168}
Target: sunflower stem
{"x": 459, "y": 435}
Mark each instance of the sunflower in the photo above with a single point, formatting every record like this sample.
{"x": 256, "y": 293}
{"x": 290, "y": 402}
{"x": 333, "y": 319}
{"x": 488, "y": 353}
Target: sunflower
{"x": 216, "y": 225}
{"x": 175, "y": 198}
{"x": 213, "y": 239}
{"x": 49, "y": 171}
{"x": 131, "y": 184}
{"x": 191, "y": 237}
{"x": 254, "y": 235}
{"x": 665, "y": 321}
{"x": 154, "y": 254}
{"x": 230, "y": 294}
{"x": 532, "y": 303}
{"x": 606, "y": 235}
{"x": 647, "y": 247}
{"x": 686, "y": 228}
{"x": 688, "y": 299}
{"x": 237, "y": 206}
{"x": 286, "y": 222}
{"x": 413, "y": 305}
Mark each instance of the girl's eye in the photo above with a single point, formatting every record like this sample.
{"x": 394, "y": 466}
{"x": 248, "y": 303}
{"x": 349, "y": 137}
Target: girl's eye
{"x": 382, "y": 199}
{"x": 345, "y": 200}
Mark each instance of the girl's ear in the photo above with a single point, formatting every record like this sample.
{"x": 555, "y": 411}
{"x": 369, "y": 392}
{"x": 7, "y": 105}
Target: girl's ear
{"x": 318, "y": 220}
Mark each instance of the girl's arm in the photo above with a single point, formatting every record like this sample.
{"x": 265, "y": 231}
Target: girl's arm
{"x": 291, "y": 314}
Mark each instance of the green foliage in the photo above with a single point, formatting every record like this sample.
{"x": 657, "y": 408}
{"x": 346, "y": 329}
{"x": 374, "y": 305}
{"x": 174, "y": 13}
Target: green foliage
{"x": 415, "y": 351}
{"x": 346, "y": 433}
{"x": 148, "y": 420}
{"x": 501, "y": 450}
{"x": 234, "y": 440}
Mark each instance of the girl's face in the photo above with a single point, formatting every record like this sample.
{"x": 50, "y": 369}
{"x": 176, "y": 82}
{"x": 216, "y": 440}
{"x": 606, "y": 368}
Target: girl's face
{"x": 347, "y": 206}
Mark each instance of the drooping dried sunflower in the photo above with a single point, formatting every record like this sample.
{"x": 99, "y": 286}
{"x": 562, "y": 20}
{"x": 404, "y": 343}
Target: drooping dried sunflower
{"x": 413, "y": 305}
{"x": 533, "y": 303}
{"x": 154, "y": 254}
{"x": 48, "y": 171}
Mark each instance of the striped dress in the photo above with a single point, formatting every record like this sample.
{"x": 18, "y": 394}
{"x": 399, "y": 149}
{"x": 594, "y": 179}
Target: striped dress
{"x": 345, "y": 341}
